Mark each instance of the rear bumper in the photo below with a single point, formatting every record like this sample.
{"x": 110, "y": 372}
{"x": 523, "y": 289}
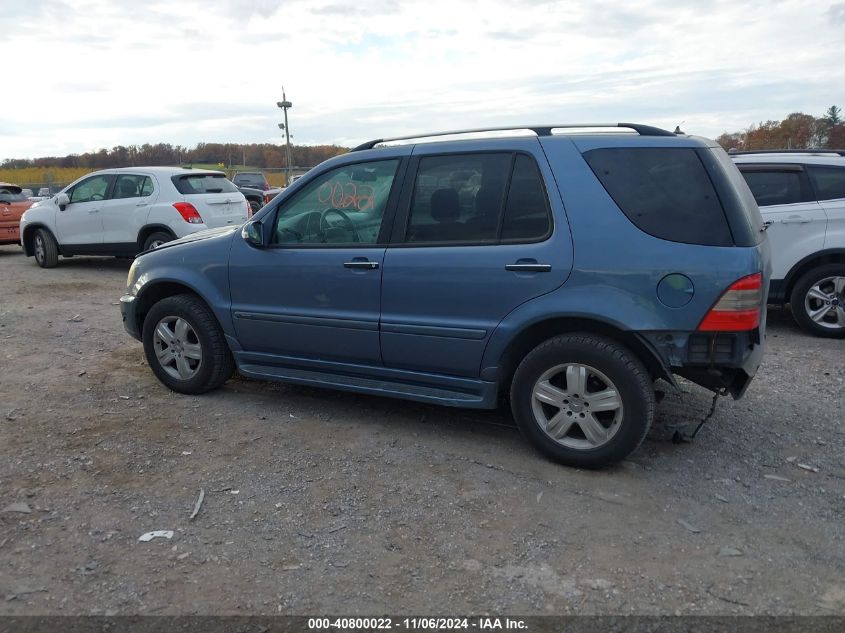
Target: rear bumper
{"x": 724, "y": 362}
{"x": 130, "y": 317}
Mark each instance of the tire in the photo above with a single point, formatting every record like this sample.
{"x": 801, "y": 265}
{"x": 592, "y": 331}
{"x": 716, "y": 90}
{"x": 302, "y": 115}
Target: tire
{"x": 45, "y": 248}
{"x": 598, "y": 365}
{"x": 809, "y": 294}
{"x": 255, "y": 206}
{"x": 201, "y": 335}
{"x": 156, "y": 239}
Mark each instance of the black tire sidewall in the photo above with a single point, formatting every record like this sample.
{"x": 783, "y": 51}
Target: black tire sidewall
{"x": 799, "y": 293}
{"x": 187, "y": 309}
{"x": 618, "y": 364}
{"x": 51, "y": 252}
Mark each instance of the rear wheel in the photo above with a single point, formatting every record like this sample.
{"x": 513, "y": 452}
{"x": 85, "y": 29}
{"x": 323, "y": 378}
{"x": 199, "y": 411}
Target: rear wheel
{"x": 157, "y": 239}
{"x": 255, "y": 206}
{"x": 185, "y": 346}
{"x": 45, "y": 248}
{"x": 583, "y": 400}
{"x": 818, "y": 301}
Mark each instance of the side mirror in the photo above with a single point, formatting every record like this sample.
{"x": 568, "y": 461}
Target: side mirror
{"x": 253, "y": 234}
{"x": 62, "y": 200}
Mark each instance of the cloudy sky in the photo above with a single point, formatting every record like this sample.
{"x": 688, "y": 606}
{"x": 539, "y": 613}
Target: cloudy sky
{"x": 80, "y": 75}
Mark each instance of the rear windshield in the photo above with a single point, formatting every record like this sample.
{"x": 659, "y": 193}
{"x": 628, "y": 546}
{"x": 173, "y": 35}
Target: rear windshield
{"x": 11, "y": 194}
{"x": 249, "y": 178}
{"x": 203, "y": 183}
{"x": 665, "y": 192}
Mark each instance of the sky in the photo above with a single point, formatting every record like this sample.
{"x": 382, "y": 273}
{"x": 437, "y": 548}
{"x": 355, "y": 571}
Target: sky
{"x": 81, "y": 75}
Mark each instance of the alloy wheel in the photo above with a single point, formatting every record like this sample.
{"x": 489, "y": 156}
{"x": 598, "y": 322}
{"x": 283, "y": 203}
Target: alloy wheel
{"x": 825, "y": 302}
{"x": 177, "y": 347}
{"x": 577, "y": 406}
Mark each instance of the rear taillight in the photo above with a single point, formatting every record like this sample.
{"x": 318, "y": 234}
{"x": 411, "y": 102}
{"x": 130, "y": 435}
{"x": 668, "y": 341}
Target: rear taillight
{"x": 248, "y": 209}
{"x": 267, "y": 198}
{"x": 188, "y": 212}
{"x": 738, "y": 309}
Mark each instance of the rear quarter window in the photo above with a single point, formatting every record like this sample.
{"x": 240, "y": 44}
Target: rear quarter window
{"x": 192, "y": 184}
{"x": 665, "y": 192}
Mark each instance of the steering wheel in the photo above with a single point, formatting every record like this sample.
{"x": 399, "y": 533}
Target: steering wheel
{"x": 325, "y": 226}
{"x": 96, "y": 197}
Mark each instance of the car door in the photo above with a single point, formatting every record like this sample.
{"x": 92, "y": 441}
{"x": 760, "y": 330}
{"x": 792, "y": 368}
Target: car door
{"x": 80, "y": 223}
{"x": 313, "y": 291}
{"x": 126, "y": 212}
{"x": 796, "y": 222}
{"x": 829, "y": 186}
{"x": 477, "y": 234}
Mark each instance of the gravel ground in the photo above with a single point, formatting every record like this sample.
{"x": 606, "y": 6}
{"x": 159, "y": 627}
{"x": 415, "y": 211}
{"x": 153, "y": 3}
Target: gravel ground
{"x": 324, "y": 502}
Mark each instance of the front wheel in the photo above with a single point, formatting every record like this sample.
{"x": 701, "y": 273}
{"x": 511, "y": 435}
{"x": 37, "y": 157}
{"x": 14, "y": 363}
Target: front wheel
{"x": 583, "y": 400}
{"x": 818, "y": 301}
{"x": 185, "y": 345}
{"x": 46, "y": 249}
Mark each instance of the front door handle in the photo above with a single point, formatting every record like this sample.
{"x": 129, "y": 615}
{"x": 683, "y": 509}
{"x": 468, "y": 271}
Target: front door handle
{"x": 361, "y": 263}
{"x": 529, "y": 268}
{"x": 94, "y": 211}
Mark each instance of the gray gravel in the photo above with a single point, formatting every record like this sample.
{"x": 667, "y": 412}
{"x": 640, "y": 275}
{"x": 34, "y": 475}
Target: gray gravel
{"x": 317, "y": 501}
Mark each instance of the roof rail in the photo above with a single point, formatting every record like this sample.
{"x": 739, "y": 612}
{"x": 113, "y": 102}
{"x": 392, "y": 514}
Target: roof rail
{"x": 539, "y": 130}
{"x": 839, "y": 152}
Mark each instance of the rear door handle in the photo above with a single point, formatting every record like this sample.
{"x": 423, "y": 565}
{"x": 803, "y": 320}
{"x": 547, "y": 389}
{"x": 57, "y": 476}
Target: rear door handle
{"x": 361, "y": 263}
{"x": 796, "y": 219}
{"x": 529, "y": 268}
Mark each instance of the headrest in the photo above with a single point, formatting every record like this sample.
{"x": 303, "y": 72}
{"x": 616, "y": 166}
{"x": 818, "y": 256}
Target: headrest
{"x": 445, "y": 206}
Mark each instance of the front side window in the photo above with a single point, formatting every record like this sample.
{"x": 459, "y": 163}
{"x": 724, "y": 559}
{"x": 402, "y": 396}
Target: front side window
{"x": 91, "y": 189}
{"x": 774, "y": 187}
{"x": 344, "y": 206}
{"x": 132, "y": 186}
{"x": 829, "y": 182}
{"x": 478, "y": 198}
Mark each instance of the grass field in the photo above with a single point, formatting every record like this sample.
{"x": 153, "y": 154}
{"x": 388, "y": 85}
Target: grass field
{"x": 40, "y": 176}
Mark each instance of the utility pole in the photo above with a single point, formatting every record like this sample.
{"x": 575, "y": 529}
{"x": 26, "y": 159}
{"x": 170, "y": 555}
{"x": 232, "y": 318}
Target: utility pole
{"x": 284, "y": 104}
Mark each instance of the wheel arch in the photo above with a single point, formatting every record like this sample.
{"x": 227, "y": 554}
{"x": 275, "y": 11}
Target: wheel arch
{"x": 820, "y": 258}
{"x": 149, "y": 229}
{"x": 29, "y": 234}
{"x": 152, "y": 293}
{"x": 535, "y": 333}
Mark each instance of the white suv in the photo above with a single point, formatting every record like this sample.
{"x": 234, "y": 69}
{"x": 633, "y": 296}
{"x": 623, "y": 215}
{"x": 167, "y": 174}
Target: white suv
{"x": 126, "y": 211}
{"x": 801, "y": 195}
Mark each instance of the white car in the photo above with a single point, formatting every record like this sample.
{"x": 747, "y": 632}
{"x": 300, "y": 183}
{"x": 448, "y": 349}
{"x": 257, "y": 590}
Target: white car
{"x": 126, "y": 211}
{"x": 801, "y": 195}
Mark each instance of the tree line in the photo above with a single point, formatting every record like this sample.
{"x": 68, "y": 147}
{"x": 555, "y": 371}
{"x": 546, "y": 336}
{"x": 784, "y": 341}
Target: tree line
{"x": 262, "y": 155}
{"x": 796, "y": 131}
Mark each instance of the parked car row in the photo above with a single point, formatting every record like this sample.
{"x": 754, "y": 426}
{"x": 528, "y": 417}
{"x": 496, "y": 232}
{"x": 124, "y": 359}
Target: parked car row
{"x": 561, "y": 272}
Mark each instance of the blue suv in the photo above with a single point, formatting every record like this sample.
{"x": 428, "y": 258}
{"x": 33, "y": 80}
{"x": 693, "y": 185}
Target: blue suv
{"x": 562, "y": 268}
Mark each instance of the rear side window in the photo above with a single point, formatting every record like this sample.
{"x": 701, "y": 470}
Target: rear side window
{"x": 132, "y": 186}
{"x": 665, "y": 192}
{"x": 478, "y": 198}
{"x": 774, "y": 187}
{"x": 829, "y": 182}
{"x": 191, "y": 184}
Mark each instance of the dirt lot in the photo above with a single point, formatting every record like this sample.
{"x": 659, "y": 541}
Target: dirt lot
{"x": 317, "y": 501}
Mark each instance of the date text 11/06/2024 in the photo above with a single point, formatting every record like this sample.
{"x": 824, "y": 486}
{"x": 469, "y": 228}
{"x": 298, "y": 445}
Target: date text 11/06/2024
{"x": 422, "y": 623}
